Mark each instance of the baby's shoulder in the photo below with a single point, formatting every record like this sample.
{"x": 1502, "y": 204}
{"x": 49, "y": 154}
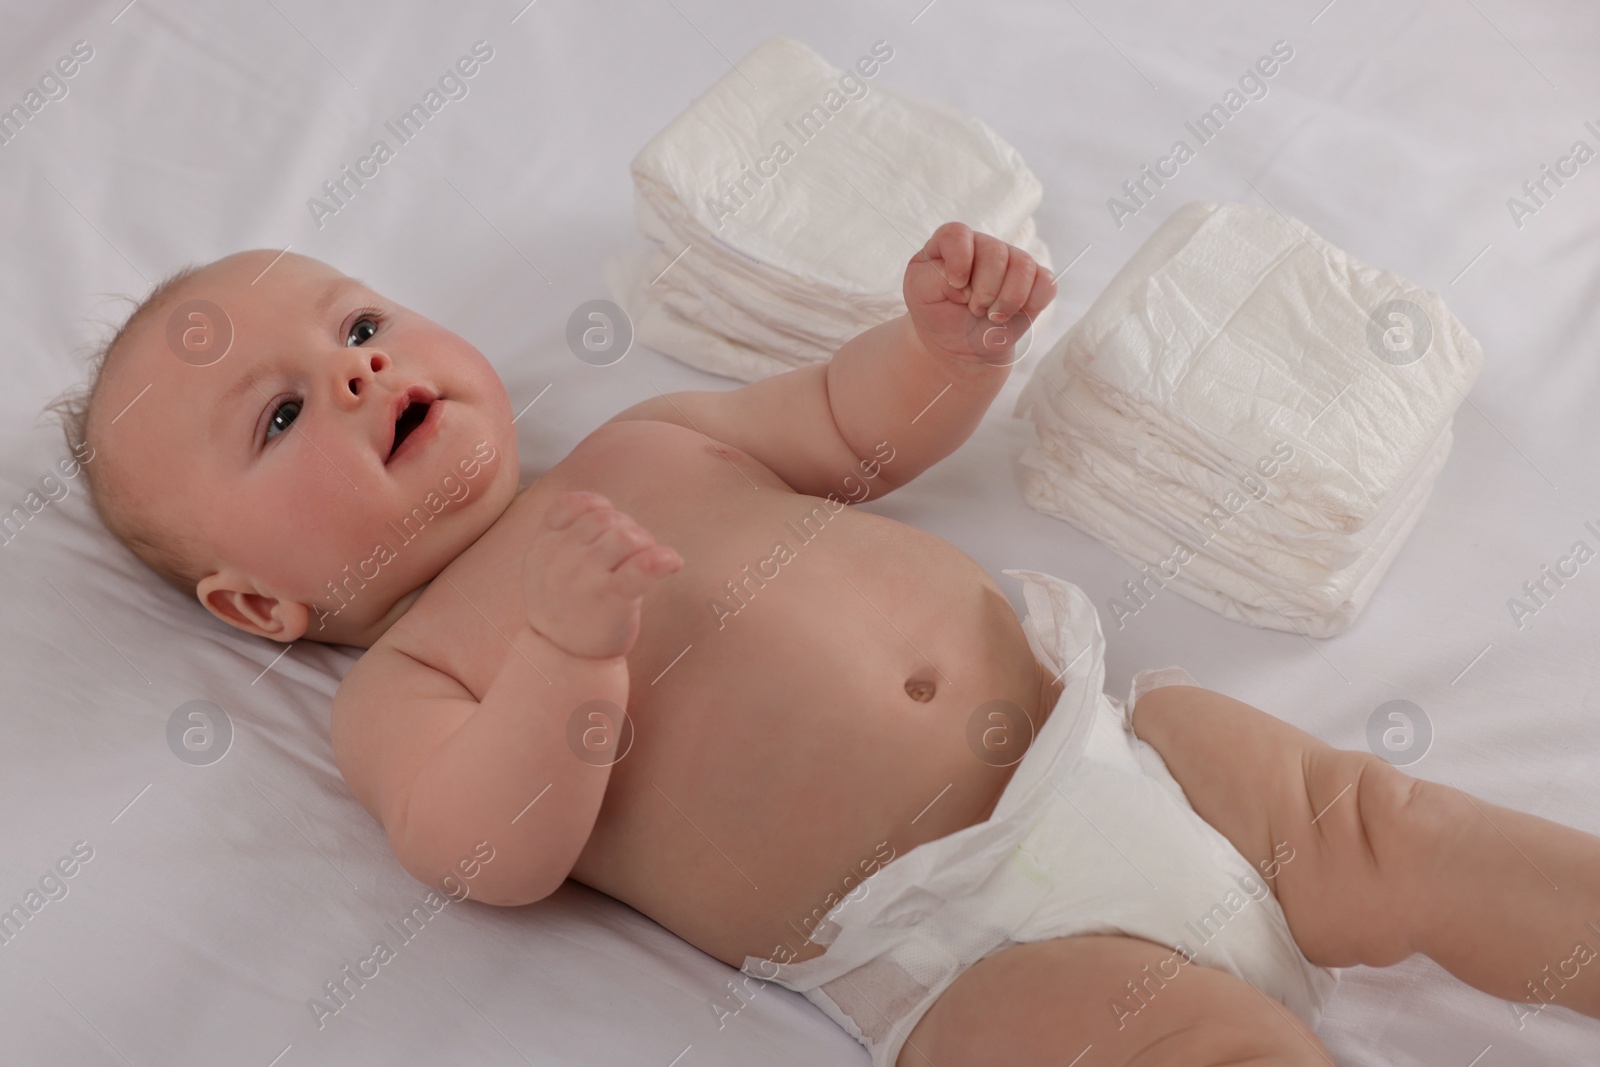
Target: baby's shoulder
{"x": 452, "y": 628}
{"x": 406, "y": 650}
{"x": 390, "y": 711}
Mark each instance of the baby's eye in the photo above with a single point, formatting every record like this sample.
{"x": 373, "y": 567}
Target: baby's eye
{"x": 283, "y": 416}
{"x": 362, "y": 331}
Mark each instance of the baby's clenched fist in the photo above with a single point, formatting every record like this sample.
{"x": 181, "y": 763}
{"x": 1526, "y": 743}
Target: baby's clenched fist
{"x": 585, "y": 571}
{"x": 972, "y": 296}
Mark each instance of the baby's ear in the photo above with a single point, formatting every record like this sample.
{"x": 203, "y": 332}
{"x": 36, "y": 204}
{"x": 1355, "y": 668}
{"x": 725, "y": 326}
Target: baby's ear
{"x": 233, "y": 598}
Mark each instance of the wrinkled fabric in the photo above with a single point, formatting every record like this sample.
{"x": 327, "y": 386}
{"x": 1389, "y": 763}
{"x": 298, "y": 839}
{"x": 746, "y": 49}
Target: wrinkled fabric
{"x": 1231, "y": 364}
{"x": 748, "y": 276}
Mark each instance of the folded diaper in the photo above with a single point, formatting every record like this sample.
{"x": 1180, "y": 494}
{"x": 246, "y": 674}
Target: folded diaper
{"x": 1249, "y": 415}
{"x": 785, "y": 202}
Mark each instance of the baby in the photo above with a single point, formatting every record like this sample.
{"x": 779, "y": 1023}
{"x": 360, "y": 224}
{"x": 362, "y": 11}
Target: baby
{"x": 679, "y": 668}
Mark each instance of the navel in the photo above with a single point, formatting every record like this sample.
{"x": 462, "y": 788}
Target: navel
{"x": 920, "y": 689}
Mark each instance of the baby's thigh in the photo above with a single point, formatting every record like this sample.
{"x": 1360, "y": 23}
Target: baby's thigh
{"x": 1066, "y": 1002}
{"x": 1357, "y": 883}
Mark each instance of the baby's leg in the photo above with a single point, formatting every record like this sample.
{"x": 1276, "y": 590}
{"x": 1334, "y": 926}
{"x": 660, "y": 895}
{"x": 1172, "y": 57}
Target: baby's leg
{"x": 1384, "y": 864}
{"x": 1047, "y": 1003}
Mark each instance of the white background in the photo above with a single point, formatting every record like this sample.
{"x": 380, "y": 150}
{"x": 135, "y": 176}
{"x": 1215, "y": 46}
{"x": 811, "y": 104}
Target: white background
{"x": 225, "y": 895}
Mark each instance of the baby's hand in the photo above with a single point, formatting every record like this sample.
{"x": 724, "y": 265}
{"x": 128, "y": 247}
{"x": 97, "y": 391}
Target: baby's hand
{"x": 972, "y": 296}
{"x": 584, "y": 573}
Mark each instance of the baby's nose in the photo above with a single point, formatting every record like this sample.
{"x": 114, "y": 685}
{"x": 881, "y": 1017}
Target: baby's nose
{"x": 375, "y": 362}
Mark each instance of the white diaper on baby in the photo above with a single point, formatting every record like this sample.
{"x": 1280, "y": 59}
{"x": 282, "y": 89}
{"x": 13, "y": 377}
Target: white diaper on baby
{"x": 1092, "y": 835}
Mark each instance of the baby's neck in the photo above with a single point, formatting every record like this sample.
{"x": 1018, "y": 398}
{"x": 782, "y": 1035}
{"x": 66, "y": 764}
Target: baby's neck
{"x": 363, "y": 634}
{"x": 334, "y": 629}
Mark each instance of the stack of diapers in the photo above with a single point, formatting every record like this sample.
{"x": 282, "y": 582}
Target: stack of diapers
{"x": 784, "y": 204}
{"x": 1249, "y": 416}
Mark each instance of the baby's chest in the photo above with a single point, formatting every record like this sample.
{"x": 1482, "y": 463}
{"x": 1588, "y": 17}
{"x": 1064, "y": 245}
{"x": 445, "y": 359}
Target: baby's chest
{"x": 663, "y": 475}
{"x": 709, "y": 501}
{"x": 718, "y": 507}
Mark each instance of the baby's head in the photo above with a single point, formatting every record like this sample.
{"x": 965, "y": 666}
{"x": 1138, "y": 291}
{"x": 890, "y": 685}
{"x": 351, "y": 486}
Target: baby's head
{"x": 242, "y": 421}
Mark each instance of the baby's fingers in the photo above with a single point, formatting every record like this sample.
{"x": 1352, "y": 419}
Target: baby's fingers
{"x": 991, "y": 258}
{"x": 1044, "y": 291}
{"x": 1015, "y": 288}
{"x": 950, "y": 249}
{"x": 621, "y": 539}
{"x": 636, "y": 574}
{"x": 569, "y": 507}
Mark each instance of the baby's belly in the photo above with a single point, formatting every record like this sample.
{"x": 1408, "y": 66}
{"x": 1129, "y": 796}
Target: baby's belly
{"x": 799, "y": 724}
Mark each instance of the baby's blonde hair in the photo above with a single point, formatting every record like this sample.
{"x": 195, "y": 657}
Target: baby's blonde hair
{"x": 170, "y": 553}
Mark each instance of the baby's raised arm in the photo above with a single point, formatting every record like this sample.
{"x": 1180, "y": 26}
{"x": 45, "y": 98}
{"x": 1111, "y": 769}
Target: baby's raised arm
{"x": 913, "y": 388}
{"x": 445, "y": 772}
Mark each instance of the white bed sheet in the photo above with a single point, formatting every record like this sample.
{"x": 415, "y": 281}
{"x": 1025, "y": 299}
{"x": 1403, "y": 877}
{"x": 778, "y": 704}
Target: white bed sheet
{"x": 220, "y": 898}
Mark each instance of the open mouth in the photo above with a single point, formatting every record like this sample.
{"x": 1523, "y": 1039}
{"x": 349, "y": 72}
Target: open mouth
{"x": 409, "y": 420}
{"x": 415, "y": 422}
